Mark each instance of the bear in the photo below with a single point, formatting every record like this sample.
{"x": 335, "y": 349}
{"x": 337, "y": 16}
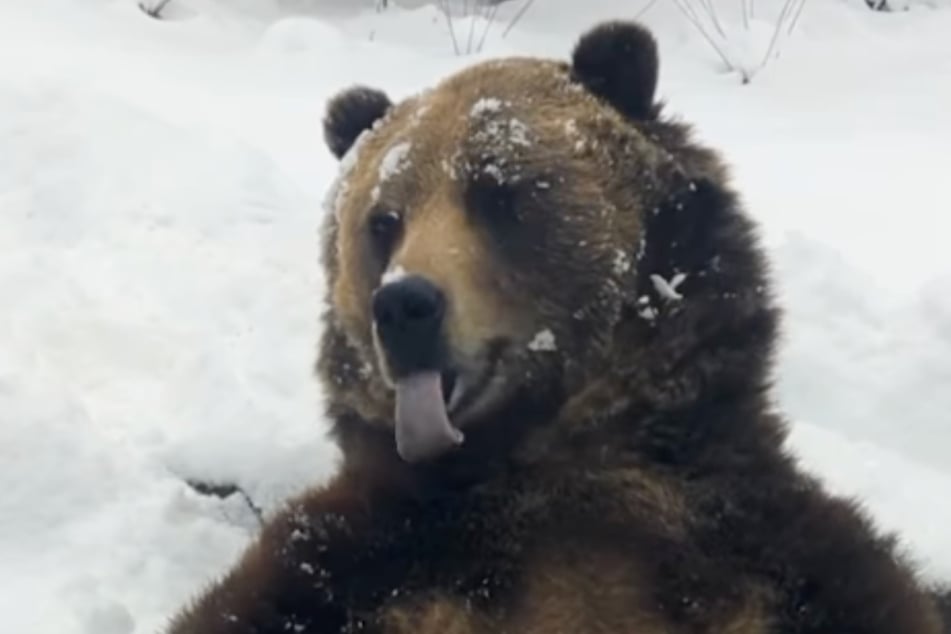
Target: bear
{"x": 547, "y": 351}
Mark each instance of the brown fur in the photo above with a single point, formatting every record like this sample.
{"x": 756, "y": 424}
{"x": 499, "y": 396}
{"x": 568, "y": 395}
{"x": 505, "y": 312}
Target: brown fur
{"x": 631, "y": 480}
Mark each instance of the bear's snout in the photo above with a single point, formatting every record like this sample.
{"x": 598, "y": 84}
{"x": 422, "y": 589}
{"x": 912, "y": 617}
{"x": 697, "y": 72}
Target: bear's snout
{"x": 408, "y": 315}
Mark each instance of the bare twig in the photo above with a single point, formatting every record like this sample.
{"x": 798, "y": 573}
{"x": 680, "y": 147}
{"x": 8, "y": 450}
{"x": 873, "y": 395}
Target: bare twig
{"x": 224, "y": 491}
{"x": 690, "y": 11}
{"x": 446, "y": 7}
{"x": 518, "y": 16}
{"x": 645, "y": 8}
{"x": 489, "y": 21}
{"x": 783, "y": 15}
{"x": 472, "y": 22}
{"x": 475, "y": 40}
{"x": 694, "y": 18}
{"x": 795, "y": 20}
{"x": 714, "y": 18}
{"x": 156, "y": 10}
{"x": 702, "y": 14}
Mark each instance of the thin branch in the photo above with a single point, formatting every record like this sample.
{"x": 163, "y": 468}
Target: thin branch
{"x": 224, "y": 491}
{"x": 487, "y": 6}
{"x": 699, "y": 26}
{"x": 518, "y": 16}
{"x": 472, "y": 21}
{"x": 155, "y": 11}
{"x": 795, "y": 20}
{"x": 691, "y": 12}
{"x": 708, "y": 5}
{"x": 490, "y": 20}
{"x": 746, "y": 15}
{"x": 645, "y": 8}
{"x": 447, "y": 11}
{"x": 777, "y": 30}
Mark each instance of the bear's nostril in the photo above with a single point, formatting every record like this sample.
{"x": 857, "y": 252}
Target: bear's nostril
{"x": 412, "y": 299}
{"x": 420, "y": 308}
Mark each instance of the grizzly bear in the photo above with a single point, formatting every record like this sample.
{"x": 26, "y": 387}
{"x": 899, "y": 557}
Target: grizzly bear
{"x": 547, "y": 352}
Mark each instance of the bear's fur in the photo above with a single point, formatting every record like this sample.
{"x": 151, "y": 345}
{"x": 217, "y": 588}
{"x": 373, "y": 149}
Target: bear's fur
{"x": 623, "y": 470}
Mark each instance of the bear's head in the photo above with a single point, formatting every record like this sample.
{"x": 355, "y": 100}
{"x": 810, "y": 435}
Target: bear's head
{"x": 530, "y": 241}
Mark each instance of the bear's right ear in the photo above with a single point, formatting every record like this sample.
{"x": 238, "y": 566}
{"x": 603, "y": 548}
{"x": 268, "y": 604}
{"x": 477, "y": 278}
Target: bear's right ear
{"x": 350, "y": 113}
{"x": 618, "y": 62}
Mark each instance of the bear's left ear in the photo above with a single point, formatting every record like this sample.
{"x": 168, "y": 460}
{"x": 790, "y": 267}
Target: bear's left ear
{"x": 351, "y": 112}
{"x": 618, "y": 62}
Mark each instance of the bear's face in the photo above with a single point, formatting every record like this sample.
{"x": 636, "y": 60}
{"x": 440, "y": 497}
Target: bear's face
{"x": 491, "y": 194}
{"x": 484, "y": 235}
{"x": 481, "y": 242}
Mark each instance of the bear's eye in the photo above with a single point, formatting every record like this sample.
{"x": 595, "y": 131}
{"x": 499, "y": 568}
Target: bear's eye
{"x": 385, "y": 227}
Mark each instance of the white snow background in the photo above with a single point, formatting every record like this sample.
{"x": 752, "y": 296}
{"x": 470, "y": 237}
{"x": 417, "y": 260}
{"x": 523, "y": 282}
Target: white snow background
{"x": 160, "y": 192}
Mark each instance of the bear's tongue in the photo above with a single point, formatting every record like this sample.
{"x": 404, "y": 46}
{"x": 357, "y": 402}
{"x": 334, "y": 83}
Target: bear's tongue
{"x": 423, "y": 429}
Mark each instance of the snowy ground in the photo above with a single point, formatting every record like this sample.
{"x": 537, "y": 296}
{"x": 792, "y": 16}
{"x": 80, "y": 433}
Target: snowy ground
{"x": 160, "y": 188}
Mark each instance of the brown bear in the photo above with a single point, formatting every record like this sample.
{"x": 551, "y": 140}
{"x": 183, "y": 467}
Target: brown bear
{"x": 547, "y": 353}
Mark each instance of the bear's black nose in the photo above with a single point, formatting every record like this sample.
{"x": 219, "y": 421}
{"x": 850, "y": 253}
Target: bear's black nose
{"x": 409, "y": 315}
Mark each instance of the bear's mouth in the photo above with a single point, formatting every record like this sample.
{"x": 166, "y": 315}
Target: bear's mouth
{"x": 423, "y": 429}
{"x": 431, "y": 405}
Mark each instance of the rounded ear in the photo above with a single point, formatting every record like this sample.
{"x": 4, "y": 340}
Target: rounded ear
{"x": 351, "y": 112}
{"x": 618, "y": 62}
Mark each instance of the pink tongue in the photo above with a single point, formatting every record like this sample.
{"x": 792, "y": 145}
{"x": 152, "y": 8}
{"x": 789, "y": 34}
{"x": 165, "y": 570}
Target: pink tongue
{"x": 423, "y": 429}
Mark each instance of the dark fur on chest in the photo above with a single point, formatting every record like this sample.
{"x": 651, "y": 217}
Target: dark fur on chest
{"x": 342, "y": 559}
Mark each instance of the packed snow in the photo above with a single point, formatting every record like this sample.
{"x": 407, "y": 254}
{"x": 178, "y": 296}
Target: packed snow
{"x": 161, "y": 188}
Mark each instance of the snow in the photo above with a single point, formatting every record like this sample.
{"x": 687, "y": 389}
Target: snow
{"x": 502, "y": 134}
{"x": 645, "y": 310}
{"x": 543, "y": 341}
{"x": 394, "y": 274}
{"x": 668, "y": 290}
{"x": 485, "y": 105}
{"x": 394, "y": 161}
{"x": 518, "y": 133}
{"x": 160, "y": 194}
{"x": 622, "y": 263}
